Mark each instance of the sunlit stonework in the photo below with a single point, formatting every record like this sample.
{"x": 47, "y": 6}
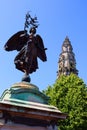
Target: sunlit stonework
{"x": 67, "y": 62}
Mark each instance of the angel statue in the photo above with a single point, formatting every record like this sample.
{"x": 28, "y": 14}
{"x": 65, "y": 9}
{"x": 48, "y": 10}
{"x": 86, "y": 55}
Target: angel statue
{"x": 30, "y": 46}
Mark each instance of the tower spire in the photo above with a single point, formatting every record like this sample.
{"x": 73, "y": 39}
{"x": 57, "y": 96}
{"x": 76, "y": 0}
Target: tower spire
{"x": 67, "y": 62}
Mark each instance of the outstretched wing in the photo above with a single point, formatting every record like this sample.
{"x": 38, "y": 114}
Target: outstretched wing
{"x": 40, "y": 48}
{"x": 16, "y": 42}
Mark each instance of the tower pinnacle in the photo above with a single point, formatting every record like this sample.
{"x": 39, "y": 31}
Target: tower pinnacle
{"x": 67, "y": 62}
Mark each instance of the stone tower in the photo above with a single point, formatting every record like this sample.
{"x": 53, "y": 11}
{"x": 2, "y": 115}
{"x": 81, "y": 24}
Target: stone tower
{"x": 67, "y": 62}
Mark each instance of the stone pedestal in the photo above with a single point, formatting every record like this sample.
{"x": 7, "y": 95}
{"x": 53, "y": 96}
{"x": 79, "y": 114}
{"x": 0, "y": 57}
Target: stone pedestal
{"x": 23, "y": 106}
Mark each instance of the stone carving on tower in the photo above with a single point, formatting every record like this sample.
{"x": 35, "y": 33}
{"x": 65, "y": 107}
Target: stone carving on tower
{"x": 67, "y": 62}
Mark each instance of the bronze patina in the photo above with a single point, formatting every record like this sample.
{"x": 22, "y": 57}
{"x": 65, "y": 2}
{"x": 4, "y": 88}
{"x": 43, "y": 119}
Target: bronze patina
{"x": 30, "y": 47}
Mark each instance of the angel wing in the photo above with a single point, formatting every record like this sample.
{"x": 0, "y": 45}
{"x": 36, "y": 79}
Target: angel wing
{"x": 40, "y": 48}
{"x": 16, "y": 42}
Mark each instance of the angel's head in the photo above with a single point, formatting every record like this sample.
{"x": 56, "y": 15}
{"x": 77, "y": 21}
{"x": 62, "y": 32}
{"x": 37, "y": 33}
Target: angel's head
{"x": 32, "y": 30}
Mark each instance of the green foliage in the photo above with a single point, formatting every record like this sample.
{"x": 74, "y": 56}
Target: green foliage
{"x": 69, "y": 94}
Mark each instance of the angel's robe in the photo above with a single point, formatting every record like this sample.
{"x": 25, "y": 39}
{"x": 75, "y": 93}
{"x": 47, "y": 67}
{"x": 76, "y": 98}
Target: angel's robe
{"x": 26, "y": 60}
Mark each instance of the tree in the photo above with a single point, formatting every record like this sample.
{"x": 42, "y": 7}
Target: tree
{"x": 69, "y": 94}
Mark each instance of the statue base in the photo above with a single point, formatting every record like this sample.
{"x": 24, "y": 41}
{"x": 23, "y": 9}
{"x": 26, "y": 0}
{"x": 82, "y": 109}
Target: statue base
{"x": 25, "y": 91}
{"x": 23, "y": 106}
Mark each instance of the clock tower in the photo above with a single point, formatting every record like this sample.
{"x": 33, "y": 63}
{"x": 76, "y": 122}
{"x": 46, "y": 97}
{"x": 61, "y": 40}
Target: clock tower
{"x": 67, "y": 62}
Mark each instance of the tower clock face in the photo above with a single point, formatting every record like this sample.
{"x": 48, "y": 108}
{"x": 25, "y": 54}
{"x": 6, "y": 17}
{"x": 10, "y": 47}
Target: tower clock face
{"x": 65, "y": 48}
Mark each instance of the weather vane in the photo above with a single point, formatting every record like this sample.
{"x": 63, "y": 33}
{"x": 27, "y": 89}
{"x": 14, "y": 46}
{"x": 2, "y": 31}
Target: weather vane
{"x": 30, "y": 47}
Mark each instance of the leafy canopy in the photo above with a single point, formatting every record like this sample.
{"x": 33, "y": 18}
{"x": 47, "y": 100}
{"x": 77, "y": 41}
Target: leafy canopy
{"x": 69, "y": 94}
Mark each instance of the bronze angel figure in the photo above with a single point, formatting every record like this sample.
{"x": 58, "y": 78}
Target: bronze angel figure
{"x": 30, "y": 46}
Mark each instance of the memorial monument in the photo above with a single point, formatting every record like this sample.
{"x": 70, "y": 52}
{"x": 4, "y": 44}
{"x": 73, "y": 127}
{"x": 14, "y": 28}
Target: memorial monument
{"x": 23, "y": 106}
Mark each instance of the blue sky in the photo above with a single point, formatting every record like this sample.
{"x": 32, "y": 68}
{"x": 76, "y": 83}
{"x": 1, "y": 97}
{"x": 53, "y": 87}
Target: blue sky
{"x": 57, "y": 19}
